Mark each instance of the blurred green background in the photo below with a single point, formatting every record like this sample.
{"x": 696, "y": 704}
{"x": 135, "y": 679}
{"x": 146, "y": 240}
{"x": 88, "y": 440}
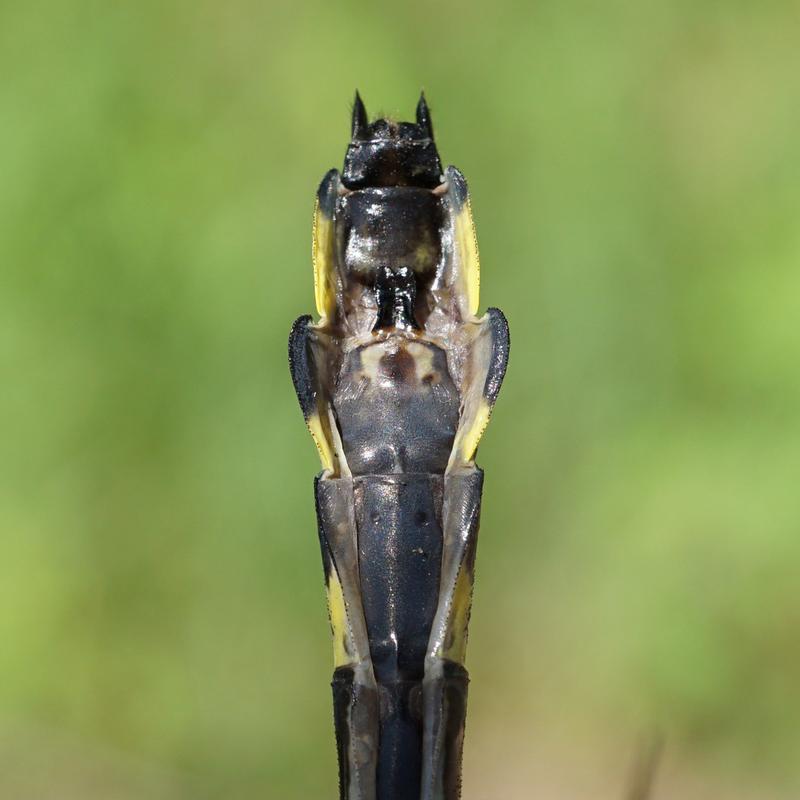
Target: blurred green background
{"x": 635, "y": 171}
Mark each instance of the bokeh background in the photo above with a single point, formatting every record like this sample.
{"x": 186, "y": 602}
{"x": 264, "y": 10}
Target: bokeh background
{"x": 635, "y": 170}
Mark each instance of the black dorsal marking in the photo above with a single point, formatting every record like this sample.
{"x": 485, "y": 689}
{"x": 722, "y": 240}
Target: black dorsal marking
{"x": 395, "y": 293}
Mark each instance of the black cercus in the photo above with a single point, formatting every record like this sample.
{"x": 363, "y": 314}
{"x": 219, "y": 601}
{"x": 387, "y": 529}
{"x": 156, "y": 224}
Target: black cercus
{"x": 397, "y": 381}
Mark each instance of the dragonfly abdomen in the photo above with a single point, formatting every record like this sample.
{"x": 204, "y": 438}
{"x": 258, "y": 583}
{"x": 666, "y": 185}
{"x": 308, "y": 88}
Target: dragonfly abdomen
{"x": 396, "y": 382}
{"x": 400, "y": 553}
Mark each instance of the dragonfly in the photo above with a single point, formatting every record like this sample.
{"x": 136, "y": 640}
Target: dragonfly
{"x": 396, "y": 380}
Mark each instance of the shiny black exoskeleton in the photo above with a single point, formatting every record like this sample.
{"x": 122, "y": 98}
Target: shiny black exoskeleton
{"x": 389, "y": 153}
{"x": 396, "y": 382}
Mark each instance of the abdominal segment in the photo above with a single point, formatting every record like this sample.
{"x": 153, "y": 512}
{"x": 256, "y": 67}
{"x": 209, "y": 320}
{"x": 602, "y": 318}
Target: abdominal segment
{"x": 397, "y": 407}
{"x": 397, "y": 411}
{"x": 398, "y": 519}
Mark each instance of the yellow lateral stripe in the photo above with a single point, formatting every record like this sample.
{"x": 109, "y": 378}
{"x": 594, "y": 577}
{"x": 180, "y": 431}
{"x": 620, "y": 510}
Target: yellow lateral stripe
{"x": 322, "y": 259}
{"x": 472, "y": 437}
{"x": 467, "y": 242}
{"x": 320, "y": 440}
{"x": 474, "y": 274}
{"x": 455, "y": 643}
{"x": 337, "y": 612}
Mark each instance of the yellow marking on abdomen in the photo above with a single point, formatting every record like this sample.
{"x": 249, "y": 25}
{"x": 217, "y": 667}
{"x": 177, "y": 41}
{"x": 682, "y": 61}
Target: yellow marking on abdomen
{"x": 337, "y": 613}
{"x": 321, "y": 441}
{"x": 468, "y": 438}
{"x": 454, "y": 647}
{"x": 467, "y": 245}
{"x": 323, "y": 261}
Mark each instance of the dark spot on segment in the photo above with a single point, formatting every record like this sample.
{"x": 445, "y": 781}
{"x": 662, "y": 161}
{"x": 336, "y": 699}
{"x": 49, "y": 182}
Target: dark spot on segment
{"x": 399, "y": 366}
{"x": 421, "y": 518}
{"x": 398, "y": 425}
